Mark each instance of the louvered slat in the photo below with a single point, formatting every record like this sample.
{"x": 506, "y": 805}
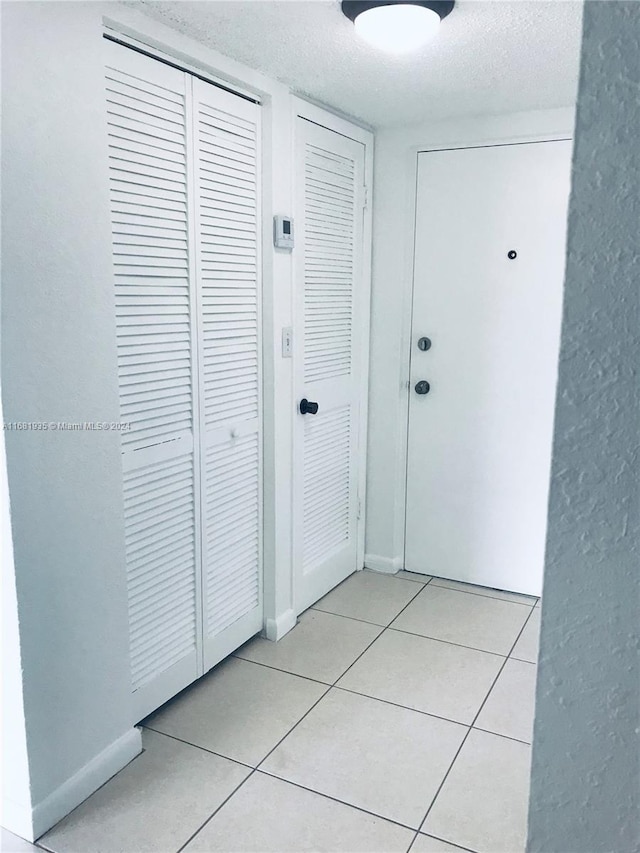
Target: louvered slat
{"x": 330, "y": 203}
{"x": 232, "y": 541}
{"x": 159, "y": 513}
{"x": 227, "y": 187}
{"x": 327, "y": 460}
{"x": 151, "y": 278}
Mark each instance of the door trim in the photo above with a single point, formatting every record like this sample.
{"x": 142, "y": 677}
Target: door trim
{"x": 407, "y": 326}
{"x": 122, "y": 34}
{"x": 312, "y": 113}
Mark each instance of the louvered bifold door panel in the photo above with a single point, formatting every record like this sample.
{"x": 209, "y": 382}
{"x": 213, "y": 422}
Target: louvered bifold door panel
{"x": 227, "y": 134}
{"x": 329, "y": 339}
{"x": 147, "y": 110}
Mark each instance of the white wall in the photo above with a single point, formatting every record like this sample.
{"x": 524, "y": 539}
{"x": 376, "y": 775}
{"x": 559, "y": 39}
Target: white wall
{"x": 59, "y": 364}
{"x": 393, "y": 230}
{"x": 585, "y": 783}
{"x": 16, "y": 788}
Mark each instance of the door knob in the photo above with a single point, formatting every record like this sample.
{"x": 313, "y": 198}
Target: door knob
{"x": 307, "y": 407}
{"x": 422, "y": 387}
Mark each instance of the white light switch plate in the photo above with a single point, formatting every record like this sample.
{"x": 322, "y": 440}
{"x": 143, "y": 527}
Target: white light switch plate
{"x": 287, "y": 342}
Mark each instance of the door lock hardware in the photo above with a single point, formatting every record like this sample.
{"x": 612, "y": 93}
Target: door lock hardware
{"x": 424, "y": 344}
{"x": 422, "y": 387}
{"x": 307, "y": 407}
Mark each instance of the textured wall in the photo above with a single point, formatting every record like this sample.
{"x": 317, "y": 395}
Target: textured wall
{"x": 586, "y": 771}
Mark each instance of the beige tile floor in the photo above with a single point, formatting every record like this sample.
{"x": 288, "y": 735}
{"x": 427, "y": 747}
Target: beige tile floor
{"x": 396, "y": 716}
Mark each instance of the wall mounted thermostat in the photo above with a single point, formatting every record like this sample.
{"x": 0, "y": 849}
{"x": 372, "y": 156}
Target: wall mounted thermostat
{"x": 283, "y": 232}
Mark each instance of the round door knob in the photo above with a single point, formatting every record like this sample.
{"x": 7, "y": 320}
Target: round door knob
{"x": 307, "y": 407}
{"x": 422, "y": 387}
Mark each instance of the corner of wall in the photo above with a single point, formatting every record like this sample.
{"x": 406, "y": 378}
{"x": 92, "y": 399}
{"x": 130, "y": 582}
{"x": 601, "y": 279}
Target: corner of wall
{"x": 275, "y": 629}
{"x": 386, "y": 565}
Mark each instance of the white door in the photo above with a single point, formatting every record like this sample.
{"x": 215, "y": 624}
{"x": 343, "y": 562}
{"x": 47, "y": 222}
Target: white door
{"x": 489, "y": 266}
{"x": 329, "y": 341}
{"x": 184, "y": 178}
{"x": 227, "y": 189}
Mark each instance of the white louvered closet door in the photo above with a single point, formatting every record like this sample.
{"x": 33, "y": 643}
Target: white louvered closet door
{"x": 329, "y": 337}
{"x": 182, "y": 299}
{"x": 148, "y": 144}
{"x": 227, "y": 135}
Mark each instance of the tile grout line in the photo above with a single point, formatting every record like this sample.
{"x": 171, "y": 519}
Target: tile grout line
{"x": 384, "y": 628}
{"x": 449, "y": 642}
{"x": 522, "y": 660}
{"x": 443, "y": 840}
{"x": 404, "y": 707}
{"x": 409, "y": 848}
{"x": 203, "y": 748}
{"x": 342, "y": 616}
{"x": 215, "y": 812}
{"x": 335, "y": 799}
{"x": 408, "y": 580}
{"x": 471, "y": 727}
{"x": 295, "y": 726}
{"x": 287, "y": 671}
{"x": 486, "y": 595}
{"x": 497, "y": 734}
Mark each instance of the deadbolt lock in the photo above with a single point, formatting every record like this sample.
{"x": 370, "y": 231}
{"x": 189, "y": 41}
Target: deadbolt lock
{"x": 424, "y": 344}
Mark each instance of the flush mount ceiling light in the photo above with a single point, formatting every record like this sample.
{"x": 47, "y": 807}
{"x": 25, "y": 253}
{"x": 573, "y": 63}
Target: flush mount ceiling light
{"x": 394, "y": 25}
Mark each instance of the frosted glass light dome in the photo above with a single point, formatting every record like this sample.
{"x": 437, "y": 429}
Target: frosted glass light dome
{"x": 397, "y": 28}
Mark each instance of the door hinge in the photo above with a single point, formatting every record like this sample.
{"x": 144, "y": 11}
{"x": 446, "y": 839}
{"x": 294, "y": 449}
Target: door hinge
{"x": 365, "y": 197}
{"x": 359, "y": 509}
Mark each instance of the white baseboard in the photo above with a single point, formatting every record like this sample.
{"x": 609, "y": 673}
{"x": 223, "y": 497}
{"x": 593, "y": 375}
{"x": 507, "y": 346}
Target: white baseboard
{"x": 17, "y": 819}
{"x": 275, "y": 629}
{"x": 87, "y": 780}
{"x": 387, "y": 565}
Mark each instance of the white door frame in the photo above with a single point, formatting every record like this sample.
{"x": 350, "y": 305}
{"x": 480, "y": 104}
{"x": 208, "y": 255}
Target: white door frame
{"x": 409, "y": 283}
{"x": 305, "y": 110}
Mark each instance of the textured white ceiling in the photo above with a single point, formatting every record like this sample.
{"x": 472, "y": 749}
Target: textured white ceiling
{"x": 491, "y": 56}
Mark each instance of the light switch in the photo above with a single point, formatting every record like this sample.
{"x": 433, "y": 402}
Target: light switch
{"x": 287, "y": 342}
